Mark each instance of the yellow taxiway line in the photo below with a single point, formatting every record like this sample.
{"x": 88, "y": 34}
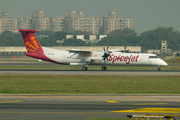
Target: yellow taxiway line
{"x": 149, "y": 103}
{"x": 152, "y": 110}
{"x": 9, "y": 101}
{"x": 112, "y": 101}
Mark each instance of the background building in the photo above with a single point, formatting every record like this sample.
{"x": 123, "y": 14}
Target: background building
{"x": 164, "y": 46}
{"x": 72, "y": 21}
{"x": 7, "y": 23}
{"x": 56, "y": 24}
{"x": 111, "y": 22}
{"x": 76, "y": 21}
{"x": 163, "y": 49}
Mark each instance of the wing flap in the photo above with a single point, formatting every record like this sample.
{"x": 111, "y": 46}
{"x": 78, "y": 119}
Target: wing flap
{"x": 80, "y": 52}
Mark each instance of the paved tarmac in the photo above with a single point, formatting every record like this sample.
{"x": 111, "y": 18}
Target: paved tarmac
{"x": 43, "y": 63}
{"x": 94, "y": 72}
{"x": 80, "y": 72}
{"x": 69, "y": 107}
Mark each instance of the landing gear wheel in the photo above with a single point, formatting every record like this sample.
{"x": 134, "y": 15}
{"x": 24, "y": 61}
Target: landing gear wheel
{"x": 104, "y": 68}
{"x": 158, "y": 69}
{"x": 84, "y": 68}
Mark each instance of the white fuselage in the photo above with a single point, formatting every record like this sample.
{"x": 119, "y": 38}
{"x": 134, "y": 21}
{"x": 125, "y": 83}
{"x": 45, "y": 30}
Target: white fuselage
{"x": 95, "y": 58}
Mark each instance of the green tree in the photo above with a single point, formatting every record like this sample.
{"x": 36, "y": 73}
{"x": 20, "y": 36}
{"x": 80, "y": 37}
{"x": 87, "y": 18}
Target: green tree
{"x": 45, "y": 32}
{"x": 152, "y": 39}
{"x": 74, "y": 42}
{"x": 45, "y": 41}
{"x": 120, "y": 38}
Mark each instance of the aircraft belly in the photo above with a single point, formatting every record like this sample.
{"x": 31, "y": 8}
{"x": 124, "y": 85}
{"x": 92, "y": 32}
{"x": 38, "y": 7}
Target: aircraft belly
{"x": 75, "y": 61}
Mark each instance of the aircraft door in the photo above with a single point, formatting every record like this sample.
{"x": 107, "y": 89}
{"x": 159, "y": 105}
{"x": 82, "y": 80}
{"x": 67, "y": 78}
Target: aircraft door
{"x": 64, "y": 59}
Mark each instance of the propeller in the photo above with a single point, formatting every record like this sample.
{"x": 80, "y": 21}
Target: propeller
{"x": 106, "y": 53}
{"x": 125, "y": 51}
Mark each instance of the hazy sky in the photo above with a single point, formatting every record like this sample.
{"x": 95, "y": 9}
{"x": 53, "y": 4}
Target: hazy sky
{"x": 147, "y": 14}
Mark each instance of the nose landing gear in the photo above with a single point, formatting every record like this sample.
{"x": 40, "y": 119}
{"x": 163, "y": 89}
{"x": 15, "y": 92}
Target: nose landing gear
{"x": 158, "y": 69}
{"x": 84, "y": 68}
{"x": 103, "y": 67}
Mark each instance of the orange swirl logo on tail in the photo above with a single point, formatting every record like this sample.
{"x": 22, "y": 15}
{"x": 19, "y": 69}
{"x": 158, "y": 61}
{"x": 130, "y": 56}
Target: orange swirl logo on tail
{"x": 32, "y": 44}
{"x": 32, "y": 38}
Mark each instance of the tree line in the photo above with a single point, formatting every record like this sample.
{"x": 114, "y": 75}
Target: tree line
{"x": 147, "y": 40}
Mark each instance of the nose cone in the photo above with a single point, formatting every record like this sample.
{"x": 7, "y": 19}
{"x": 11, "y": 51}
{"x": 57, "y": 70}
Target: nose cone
{"x": 163, "y": 63}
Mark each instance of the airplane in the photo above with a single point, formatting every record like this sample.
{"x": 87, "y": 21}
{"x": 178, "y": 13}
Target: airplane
{"x": 78, "y": 57}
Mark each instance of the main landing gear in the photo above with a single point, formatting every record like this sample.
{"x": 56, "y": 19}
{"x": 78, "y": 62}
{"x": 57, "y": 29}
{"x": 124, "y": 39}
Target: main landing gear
{"x": 158, "y": 69}
{"x": 84, "y": 68}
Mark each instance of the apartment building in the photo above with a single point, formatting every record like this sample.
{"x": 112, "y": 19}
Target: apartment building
{"x": 36, "y": 21}
{"x": 111, "y": 22}
{"x": 23, "y": 23}
{"x": 39, "y": 21}
{"x": 7, "y": 23}
{"x": 72, "y": 21}
{"x": 76, "y": 21}
{"x": 56, "y": 23}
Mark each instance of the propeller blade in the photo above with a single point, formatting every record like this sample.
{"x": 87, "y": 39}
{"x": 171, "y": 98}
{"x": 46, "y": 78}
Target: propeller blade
{"x": 106, "y": 54}
{"x": 125, "y": 47}
{"x": 107, "y": 47}
{"x": 104, "y": 49}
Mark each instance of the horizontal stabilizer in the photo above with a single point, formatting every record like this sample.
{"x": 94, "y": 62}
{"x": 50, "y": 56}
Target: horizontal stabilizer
{"x": 26, "y": 30}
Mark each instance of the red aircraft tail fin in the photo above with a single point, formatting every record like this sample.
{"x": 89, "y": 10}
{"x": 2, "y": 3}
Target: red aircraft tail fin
{"x": 30, "y": 41}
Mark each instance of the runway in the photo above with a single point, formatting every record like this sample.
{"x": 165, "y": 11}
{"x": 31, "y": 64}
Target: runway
{"x": 48, "y": 107}
{"x": 43, "y": 63}
{"x": 80, "y": 72}
{"x": 93, "y": 72}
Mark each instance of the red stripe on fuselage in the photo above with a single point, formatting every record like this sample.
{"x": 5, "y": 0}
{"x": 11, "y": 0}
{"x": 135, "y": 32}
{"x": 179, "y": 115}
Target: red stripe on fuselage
{"x": 43, "y": 57}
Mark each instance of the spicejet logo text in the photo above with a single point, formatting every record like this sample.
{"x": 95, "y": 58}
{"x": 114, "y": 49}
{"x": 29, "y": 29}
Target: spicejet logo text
{"x": 120, "y": 58}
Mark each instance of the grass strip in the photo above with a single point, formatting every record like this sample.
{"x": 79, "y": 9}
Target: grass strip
{"x": 76, "y": 84}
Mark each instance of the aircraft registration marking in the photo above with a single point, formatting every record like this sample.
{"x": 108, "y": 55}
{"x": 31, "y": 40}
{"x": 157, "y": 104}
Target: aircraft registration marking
{"x": 152, "y": 110}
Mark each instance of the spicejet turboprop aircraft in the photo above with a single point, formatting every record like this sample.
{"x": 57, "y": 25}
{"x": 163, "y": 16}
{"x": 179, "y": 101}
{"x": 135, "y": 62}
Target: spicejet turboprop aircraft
{"x": 85, "y": 58}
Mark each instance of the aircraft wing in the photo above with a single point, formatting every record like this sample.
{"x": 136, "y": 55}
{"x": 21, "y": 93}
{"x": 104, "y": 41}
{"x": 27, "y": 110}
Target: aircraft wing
{"x": 80, "y": 52}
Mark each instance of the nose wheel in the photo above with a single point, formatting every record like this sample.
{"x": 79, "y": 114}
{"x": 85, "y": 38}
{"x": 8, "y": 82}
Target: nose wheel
{"x": 84, "y": 68}
{"x": 103, "y": 67}
{"x": 158, "y": 69}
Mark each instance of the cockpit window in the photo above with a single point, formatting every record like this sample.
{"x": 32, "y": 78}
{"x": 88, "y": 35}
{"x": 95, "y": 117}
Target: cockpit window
{"x": 153, "y": 56}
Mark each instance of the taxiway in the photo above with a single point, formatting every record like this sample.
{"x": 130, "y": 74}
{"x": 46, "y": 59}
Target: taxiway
{"x": 69, "y": 107}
